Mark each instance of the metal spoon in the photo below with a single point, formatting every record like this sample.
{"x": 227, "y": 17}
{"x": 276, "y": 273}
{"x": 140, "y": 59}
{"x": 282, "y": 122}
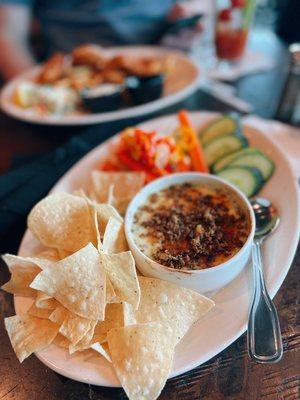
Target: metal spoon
{"x": 264, "y": 335}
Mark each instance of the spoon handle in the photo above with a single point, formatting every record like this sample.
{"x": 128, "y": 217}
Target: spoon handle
{"x": 264, "y": 335}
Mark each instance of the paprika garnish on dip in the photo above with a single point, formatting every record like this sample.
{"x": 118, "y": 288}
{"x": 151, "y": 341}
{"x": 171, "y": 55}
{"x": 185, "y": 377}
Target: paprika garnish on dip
{"x": 190, "y": 226}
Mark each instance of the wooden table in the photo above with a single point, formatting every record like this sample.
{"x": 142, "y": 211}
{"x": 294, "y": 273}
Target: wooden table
{"x": 229, "y": 375}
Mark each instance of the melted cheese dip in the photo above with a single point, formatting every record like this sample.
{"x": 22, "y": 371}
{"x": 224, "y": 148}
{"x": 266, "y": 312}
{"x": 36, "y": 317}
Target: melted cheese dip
{"x": 190, "y": 226}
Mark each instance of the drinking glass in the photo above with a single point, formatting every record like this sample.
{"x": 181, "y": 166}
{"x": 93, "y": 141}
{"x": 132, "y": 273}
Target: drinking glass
{"x": 233, "y": 22}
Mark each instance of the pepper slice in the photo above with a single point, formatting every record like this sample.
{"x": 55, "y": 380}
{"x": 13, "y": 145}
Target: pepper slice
{"x": 194, "y": 147}
{"x": 138, "y": 150}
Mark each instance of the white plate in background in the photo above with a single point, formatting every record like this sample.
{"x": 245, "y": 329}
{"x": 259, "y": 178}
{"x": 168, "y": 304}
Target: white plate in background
{"x": 181, "y": 81}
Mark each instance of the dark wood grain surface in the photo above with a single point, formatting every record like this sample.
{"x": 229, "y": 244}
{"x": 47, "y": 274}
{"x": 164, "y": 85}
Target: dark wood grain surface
{"x": 229, "y": 375}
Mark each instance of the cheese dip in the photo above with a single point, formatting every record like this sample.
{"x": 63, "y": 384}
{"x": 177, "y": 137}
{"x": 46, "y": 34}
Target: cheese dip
{"x": 190, "y": 226}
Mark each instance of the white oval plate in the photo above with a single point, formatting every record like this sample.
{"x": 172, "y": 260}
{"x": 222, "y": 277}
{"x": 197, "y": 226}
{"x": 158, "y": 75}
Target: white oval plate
{"x": 181, "y": 82}
{"x": 228, "y": 320}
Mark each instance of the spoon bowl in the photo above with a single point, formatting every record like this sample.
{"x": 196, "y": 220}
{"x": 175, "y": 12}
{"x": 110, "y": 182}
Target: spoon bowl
{"x": 266, "y": 217}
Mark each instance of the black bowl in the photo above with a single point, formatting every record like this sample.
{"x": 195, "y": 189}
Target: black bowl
{"x": 103, "y": 102}
{"x": 145, "y": 89}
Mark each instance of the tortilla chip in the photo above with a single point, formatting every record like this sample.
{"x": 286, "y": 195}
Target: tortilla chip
{"x": 78, "y": 282}
{"x": 42, "y": 263}
{"x": 114, "y": 317}
{"x": 74, "y": 328}
{"x": 43, "y": 300}
{"x": 114, "y": 240}
{"x": 171, "y": 305}
{"x": 49, "y": 254}
{"x": 91, "y": 204}
{"x": 61, "y": 341}
{"x": 125, "y": 186}
{"x": 102, "y": 349}
{"x": 142, "y": 356}
{"x": 62, "y": 220}
{"x": 39, "y": 312}
{"x": 111, "y": 296}
{"x": 121, "y": 271}
{"x": 63, "y": 254}
{"x": 81, "y": 193}
{"x": 23, "y": 271}
{"x": 85, "y": 342}
{"x": 129, "y": 314}
{"x": 59, "y": 315}
{"x": 104, "y": 213}
{"x": 29, "y": 334}
{"x": 110, "y": 196}
{"x": 96, "y": 228}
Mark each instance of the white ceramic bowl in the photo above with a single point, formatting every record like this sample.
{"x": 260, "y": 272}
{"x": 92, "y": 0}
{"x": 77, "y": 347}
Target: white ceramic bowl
{"x": 203, "y": 280}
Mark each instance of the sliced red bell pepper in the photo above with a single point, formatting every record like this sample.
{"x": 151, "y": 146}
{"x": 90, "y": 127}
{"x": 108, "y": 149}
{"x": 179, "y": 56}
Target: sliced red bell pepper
{"x": 111, "y": 166}
{"x": 137, "y": 166}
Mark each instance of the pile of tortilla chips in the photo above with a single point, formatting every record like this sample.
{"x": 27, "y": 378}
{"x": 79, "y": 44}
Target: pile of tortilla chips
{"x": 87, "y": 295}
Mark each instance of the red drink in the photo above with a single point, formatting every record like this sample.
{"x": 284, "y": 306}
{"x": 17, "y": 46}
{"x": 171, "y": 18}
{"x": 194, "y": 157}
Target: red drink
{"x": 231, "y": 43}
{"x": 232, "y": 28}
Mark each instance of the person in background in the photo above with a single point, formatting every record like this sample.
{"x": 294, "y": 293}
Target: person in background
{"x": 64, "y": 24}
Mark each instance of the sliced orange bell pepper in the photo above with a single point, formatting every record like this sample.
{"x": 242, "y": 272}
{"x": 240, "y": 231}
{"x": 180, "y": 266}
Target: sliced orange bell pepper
{"x": 195, "y": 149}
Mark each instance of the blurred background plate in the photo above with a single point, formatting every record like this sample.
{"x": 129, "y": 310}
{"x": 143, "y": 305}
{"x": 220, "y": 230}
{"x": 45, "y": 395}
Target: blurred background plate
{"x": 181, "y": 81}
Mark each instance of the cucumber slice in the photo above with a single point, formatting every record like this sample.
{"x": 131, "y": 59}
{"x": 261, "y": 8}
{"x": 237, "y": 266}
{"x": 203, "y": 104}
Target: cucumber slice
{"x": 227, "y": 160}
{"x": 248, "y": 179}
{"x": 257, "y": 160}
{"x": 222, "y": 146}
{"x": 224, "y": 126}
